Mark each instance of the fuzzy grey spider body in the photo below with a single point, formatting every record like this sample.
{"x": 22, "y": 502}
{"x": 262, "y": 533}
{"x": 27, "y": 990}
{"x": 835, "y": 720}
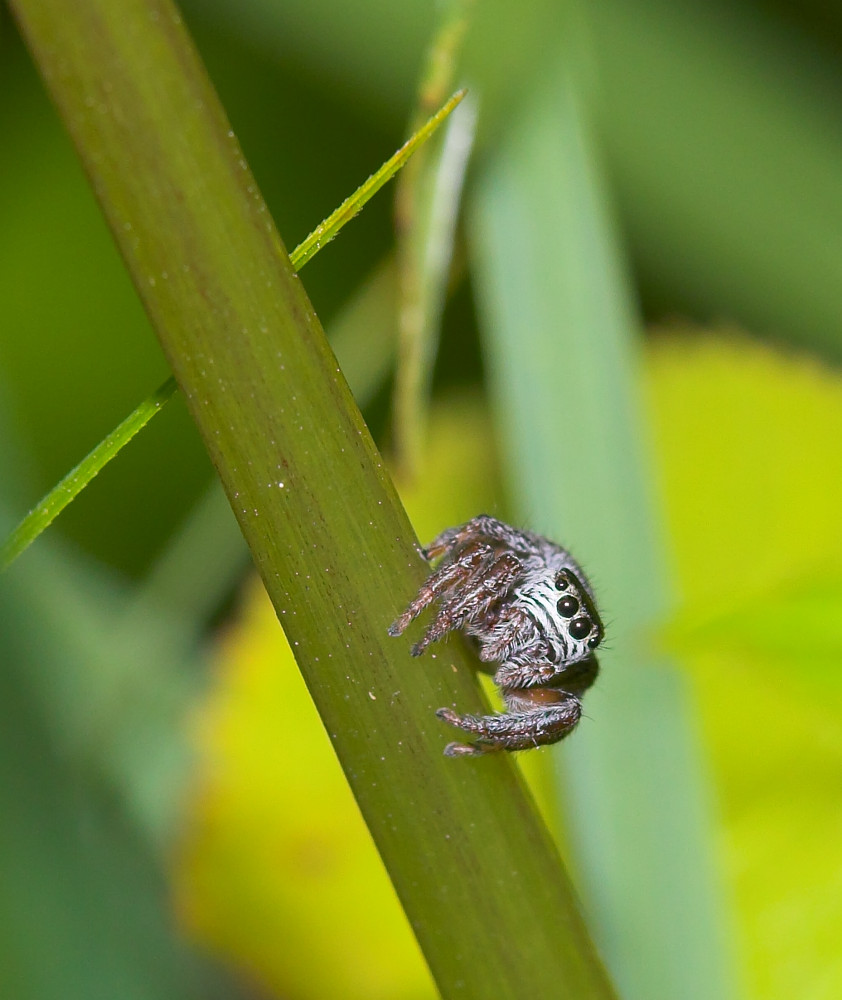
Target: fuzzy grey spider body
{"x": 531, "y": 609}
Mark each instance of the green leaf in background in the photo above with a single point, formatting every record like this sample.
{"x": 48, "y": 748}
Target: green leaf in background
{"x": 369, "y": 54}
{"x": 721, "y": 125}
{"x": 719, "y": 121}
{"x": 794, "y": 622}
{"x": 92, "y": 768}
{"x": 559, "y": 332}
{"x": 748, "y": 447}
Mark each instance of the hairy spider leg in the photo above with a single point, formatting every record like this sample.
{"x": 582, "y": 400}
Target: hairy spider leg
{"x": 447, "y": 576}
{"x": 477, "y": 604}
{"x": 473, "y": 604}
{"x": 443, "y": 544}
{"x": 547, "y": 722}
{"x": 483, "y": 526}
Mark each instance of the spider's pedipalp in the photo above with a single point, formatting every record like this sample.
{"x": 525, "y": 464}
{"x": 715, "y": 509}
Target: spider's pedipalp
{"x": 530, "y": 673}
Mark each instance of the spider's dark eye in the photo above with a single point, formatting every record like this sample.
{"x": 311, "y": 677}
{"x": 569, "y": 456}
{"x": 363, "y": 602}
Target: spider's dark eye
{"x": 580, "y": 627}
{"x": 567, "y": 606}
{"x": 593, "y": 642}
{"x": 563, "y": 580}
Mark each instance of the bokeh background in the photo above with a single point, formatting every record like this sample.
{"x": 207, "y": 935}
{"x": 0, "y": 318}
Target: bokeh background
{"x": 639, "y": 352}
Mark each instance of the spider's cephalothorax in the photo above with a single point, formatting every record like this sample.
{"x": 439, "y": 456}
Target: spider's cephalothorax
{"x": 532, "y": 612}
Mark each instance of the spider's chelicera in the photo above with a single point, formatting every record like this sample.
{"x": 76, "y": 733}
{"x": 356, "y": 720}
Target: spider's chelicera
{"x": 531, "y": 609}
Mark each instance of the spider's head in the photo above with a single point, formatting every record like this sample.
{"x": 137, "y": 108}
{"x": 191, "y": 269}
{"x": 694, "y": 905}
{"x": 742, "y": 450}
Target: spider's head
{"x": 577, "y": 619}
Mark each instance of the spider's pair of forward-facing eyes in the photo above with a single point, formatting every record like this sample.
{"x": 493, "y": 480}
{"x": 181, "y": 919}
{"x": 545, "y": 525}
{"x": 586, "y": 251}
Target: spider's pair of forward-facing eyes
{"x": 568, "y": 606}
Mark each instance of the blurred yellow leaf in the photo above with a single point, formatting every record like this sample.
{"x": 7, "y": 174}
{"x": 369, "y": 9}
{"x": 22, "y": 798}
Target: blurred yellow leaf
{"x": 749, "y": 446}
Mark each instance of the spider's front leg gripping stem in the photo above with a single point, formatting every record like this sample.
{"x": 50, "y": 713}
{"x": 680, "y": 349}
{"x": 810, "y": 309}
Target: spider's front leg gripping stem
{"x": 448, "y": 576}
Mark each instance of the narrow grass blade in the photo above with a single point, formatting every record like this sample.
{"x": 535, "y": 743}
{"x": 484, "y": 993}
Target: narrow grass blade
{"x": 470, "y": 860}
{"x": 41, "y": 516}
{"x": 353, "y": 204}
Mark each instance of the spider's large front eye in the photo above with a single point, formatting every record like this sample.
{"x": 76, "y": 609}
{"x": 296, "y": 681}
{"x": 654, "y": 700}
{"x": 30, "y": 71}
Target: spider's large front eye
{"x": 580, "y": 627}
{"x": 567, "y": 606}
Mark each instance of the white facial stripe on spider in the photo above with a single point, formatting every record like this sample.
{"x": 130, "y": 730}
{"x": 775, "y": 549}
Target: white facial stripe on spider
{"x": 532, "y": 611}
{"x": 563, "y": 612}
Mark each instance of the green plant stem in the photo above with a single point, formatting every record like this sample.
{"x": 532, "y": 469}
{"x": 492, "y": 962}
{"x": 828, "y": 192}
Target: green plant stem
{"x": 475, "y": 869}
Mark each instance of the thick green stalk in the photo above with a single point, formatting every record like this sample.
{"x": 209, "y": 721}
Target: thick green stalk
{"x": 476, "y": 871}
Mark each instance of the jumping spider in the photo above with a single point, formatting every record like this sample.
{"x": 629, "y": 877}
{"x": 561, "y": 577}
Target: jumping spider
{"x": 531, "y": 610}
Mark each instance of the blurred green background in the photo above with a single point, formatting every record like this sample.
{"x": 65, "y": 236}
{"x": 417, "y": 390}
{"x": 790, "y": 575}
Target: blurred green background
{"x": 637, "y": 356}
